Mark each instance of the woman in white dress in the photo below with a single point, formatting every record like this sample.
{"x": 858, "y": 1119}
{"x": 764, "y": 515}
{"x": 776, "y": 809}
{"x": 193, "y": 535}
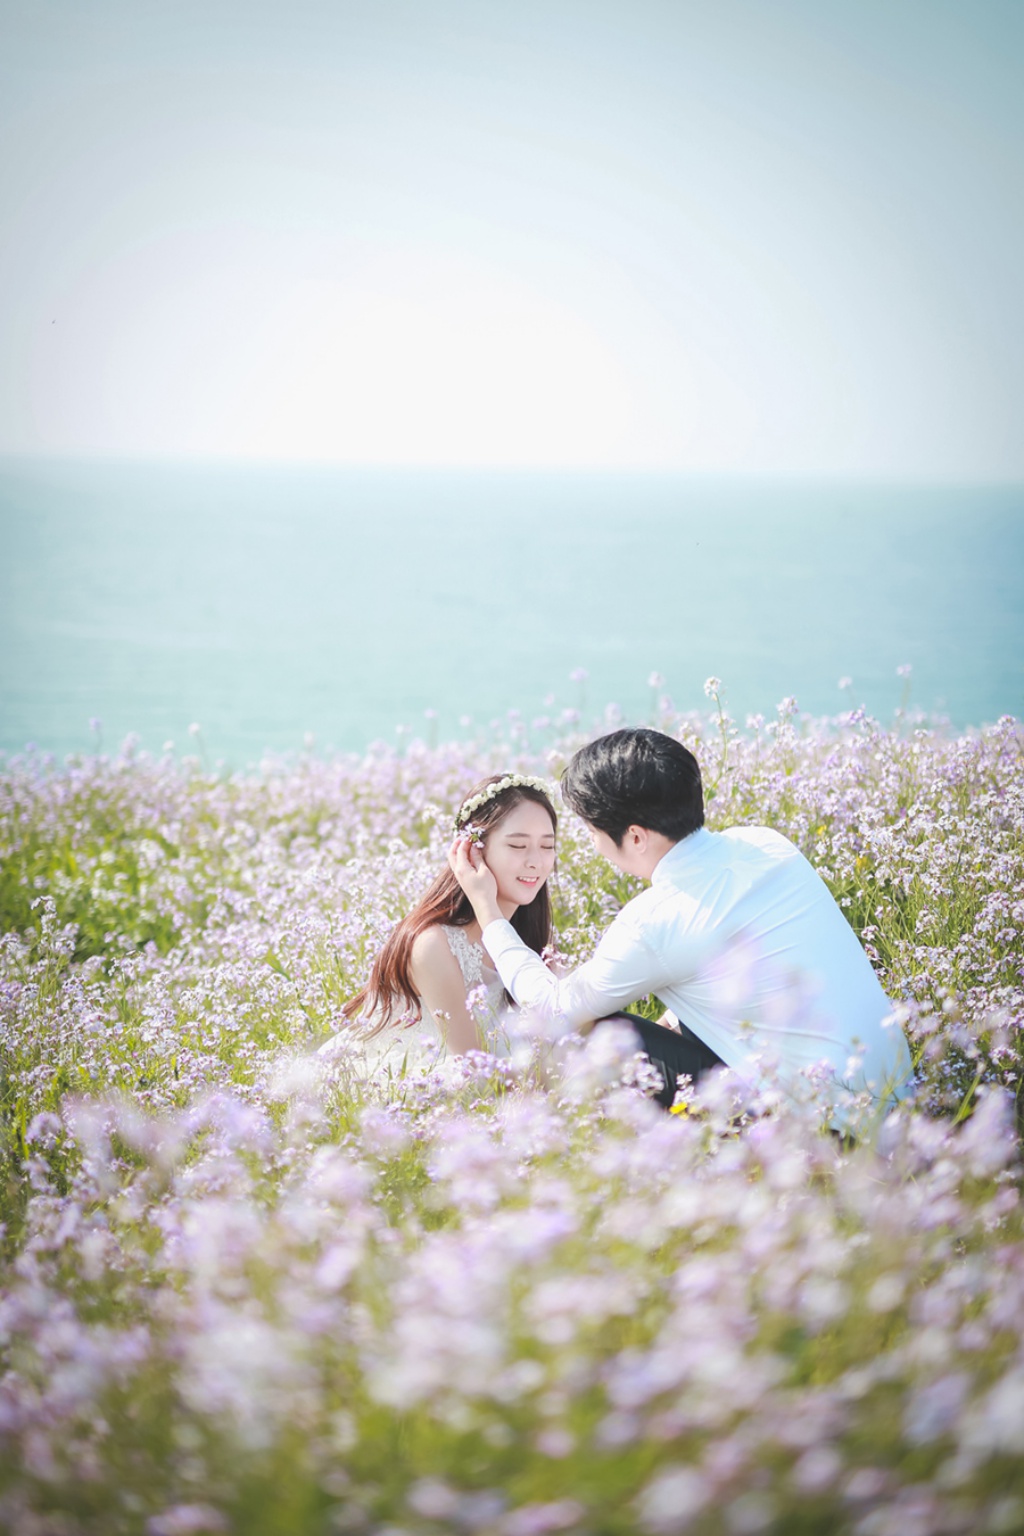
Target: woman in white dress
{"x": 433, "y": 973}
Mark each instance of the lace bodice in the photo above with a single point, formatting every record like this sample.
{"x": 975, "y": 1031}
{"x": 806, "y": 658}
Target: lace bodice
{"x": 471, "y": 957}
{"x": 389, "y": 1045}
{"x": 477, "y": 972}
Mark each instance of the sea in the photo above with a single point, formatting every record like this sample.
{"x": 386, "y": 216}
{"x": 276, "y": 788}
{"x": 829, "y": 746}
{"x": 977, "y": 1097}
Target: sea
{"x": 244, "y": 609}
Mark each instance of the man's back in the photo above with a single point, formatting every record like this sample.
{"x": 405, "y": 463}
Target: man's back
{"x": 755, "y": 955}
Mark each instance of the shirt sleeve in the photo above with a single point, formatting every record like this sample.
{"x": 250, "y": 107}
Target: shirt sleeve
{"x": 623, "y": 968}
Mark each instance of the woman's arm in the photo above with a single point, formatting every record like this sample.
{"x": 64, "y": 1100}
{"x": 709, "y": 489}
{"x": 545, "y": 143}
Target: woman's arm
{"x": 440, "y": 987}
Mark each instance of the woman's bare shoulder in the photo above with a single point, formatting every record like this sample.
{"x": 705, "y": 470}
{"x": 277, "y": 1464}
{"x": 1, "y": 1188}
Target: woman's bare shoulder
{"x": 431, "y": 955}
{"x": 431, "y": 943}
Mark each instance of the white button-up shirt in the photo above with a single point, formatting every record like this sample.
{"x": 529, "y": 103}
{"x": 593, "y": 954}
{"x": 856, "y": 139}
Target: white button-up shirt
{"x": 743, "y": 941}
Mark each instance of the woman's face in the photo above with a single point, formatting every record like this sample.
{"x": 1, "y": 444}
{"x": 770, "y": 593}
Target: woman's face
{"x": 520, "y": 852}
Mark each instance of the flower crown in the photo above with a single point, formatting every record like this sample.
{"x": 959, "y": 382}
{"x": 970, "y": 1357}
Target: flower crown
{"x": 511, "y": 781}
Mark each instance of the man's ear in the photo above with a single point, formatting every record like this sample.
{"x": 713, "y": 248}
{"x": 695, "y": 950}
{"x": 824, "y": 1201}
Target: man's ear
{"x": 636, "y": 838}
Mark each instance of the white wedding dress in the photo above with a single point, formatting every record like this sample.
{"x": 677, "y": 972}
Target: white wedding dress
{"x": 386, "y": 1050}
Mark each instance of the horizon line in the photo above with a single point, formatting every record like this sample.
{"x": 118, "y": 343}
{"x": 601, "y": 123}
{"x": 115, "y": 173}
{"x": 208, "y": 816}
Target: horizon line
{"x": 877, "y": 477}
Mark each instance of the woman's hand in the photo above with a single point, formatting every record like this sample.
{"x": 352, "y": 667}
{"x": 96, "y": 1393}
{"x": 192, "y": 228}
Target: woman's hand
{"x": 466, "y": 862}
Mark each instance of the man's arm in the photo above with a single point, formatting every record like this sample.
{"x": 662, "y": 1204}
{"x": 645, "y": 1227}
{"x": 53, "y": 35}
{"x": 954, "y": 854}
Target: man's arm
{"x": 623, "y": 967}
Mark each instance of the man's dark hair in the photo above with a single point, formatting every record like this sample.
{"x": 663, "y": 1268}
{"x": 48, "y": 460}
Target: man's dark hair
{"x": 635, "y": 778}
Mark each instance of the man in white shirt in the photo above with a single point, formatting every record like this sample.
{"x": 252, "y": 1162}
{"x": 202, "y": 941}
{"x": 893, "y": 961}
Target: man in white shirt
{"x": 736, "y": 932}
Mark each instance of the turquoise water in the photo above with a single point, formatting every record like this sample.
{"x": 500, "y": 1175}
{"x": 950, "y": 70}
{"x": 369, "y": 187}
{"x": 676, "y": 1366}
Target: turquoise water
{"x": 265, "y": 603}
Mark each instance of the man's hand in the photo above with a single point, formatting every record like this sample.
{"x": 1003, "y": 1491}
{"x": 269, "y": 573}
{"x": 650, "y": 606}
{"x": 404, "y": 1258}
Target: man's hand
{"x": 467, "y": 864}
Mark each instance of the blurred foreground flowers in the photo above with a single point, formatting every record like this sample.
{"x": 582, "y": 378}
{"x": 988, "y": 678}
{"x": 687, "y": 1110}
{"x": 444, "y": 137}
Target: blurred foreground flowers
{"x": 248, "y": 1290}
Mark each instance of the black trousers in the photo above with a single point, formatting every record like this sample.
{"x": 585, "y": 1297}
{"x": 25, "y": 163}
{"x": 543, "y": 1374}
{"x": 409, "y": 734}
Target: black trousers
{"x": 673, "y": 1055}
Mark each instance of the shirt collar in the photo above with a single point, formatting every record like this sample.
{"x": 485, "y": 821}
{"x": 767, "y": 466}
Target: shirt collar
{"x": 680, "y": 857}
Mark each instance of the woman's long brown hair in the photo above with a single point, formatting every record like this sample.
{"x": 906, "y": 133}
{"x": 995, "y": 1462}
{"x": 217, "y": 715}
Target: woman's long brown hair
{"x": 390, "y": 985}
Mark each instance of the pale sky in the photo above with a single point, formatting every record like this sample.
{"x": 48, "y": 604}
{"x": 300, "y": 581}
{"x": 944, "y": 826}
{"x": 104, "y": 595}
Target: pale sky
{"x": 776, "y": 237}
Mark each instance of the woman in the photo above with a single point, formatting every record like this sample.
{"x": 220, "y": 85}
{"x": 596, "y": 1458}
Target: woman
{"x": 434, "y": 959}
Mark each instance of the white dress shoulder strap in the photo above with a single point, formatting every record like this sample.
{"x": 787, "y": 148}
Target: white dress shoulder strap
{"x": 469, "y": 955}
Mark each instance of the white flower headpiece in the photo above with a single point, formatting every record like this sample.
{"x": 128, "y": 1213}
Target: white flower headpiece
{"x": 512, "y": 781}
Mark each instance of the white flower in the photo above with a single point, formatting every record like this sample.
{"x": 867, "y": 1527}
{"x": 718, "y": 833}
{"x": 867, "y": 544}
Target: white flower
{"x": 712, "y": 686}
{"x": 186, "y": 1520}
{"x": 510, "y": 781}
{"x": 672, "y": 1499}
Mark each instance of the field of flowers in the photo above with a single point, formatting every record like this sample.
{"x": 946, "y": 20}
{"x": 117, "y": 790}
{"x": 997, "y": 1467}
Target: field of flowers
{"x": 250, "y": 1290}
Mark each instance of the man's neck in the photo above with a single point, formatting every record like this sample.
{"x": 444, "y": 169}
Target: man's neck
{"x": 655, "y": 850}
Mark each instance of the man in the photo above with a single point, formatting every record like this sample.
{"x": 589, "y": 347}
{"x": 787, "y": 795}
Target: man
{"x": 736, "y": 933}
